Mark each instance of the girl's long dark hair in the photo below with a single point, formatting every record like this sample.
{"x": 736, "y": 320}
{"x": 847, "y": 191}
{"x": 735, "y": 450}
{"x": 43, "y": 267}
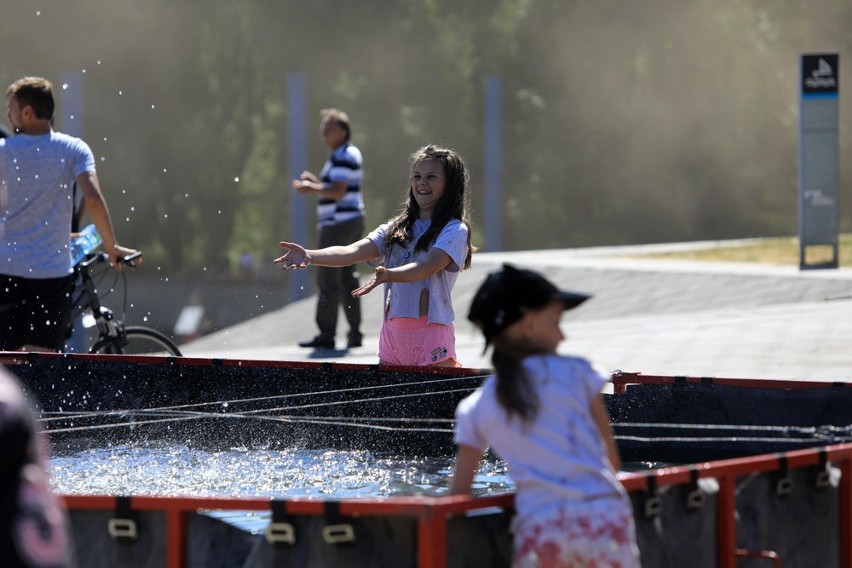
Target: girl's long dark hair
{"x": 515, "y": 391}
{"x": 453, "y": 204}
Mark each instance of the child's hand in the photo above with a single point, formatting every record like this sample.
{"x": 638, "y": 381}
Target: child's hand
{"x": 295, "y": 257}
{"x": 379, "y": 277}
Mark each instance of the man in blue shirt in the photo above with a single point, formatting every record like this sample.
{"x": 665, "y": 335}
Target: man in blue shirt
{"x": 38, "y": 170}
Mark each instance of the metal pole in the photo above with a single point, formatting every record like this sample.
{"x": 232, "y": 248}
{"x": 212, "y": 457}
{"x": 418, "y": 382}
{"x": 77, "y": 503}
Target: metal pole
{"x": 299, "y": 282}
{"x": 69, "y": 93}
{"x": 493, "y": 164}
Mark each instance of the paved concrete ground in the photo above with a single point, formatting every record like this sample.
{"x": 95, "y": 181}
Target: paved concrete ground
{"x": 649, "y": 316}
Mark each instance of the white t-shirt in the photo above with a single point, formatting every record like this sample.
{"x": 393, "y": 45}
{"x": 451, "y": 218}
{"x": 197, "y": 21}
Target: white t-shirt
{"x": 560, "y": 456}
{"x": 402, "y": 299}
{"x": 37, "y": 176}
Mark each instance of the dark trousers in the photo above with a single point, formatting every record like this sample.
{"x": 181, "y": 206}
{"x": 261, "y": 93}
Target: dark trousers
{"x": 35, "y": 311}
{"x": 335, "y": 285}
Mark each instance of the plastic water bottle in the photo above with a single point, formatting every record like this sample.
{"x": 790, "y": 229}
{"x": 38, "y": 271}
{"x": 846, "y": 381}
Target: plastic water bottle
{"x": 88, "y": 241}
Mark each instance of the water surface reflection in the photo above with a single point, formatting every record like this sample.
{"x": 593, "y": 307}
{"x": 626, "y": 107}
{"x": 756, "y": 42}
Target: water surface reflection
{"x": 174, "y": 470}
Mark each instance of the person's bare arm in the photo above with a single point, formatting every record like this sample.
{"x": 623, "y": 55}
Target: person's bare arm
{"x": 601, "y": 417}
{"x": 434, "y": 261}
{"x": 467, "y": 464}
{"x": 310, "y": 184}
{"x": 97, "y": 210}
{"x": 343, "y": 255}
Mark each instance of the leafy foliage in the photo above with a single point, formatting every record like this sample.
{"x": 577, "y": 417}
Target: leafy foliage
{"x": 623, "y": 122}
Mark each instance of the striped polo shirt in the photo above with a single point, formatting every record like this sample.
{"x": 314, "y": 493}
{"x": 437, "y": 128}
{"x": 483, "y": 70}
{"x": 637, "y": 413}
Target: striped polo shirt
{"x": 344, "y": 164}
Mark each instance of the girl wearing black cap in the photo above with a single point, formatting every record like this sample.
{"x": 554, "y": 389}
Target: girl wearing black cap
{"x": 542, "y": 413}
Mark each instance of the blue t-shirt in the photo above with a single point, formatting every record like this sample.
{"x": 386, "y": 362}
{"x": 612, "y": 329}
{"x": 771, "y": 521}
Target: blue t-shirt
{"x": 37, "y": 176}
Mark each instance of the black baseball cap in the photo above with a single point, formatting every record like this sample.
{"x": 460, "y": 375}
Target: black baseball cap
{"x": 508, "y": 293}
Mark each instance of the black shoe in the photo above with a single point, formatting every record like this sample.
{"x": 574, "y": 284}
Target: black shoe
{"x": 318, "y": 343}
{"x": 356, "y": 339}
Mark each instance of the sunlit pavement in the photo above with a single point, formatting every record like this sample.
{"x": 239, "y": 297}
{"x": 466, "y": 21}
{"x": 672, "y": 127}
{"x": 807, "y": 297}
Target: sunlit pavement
{"x": 648, "y": 316}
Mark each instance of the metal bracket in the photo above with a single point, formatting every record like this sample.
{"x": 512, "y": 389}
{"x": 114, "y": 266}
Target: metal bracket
{"x": 337, "y": 534}
{"x": 280, "y": 532}
{"x": 122, "y": 528}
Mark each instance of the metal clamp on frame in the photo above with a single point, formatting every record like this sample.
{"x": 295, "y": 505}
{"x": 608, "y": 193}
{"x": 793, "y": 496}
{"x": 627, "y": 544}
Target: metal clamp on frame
{"x": 653, "y": 503}
{"x": 336, "y": 532}
{"x": 695, "y": 499}
{"x": 783, "y": 485}
{"x": 123, "y": 525}
{"x": 280, "y": 530}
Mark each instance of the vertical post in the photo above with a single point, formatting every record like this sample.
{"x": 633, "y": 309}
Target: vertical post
{"x": 69, "y": 92}
{"x": 493, "y": 164}
{"x": 726, "y": 528}
{"x": 818, "y": 156}
{"x": 176, "y": 537}
{"x": 432, "y": 538}
{"x": 298, "y": 145}
{"x": 845, "y": 511}
{"x": 70, "y": 95}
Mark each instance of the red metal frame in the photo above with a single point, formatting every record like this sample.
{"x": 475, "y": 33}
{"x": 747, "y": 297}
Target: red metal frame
{"x": 12, "y": 357}
{"x": 621, "y": 380}
{"x": 433, "y": 513}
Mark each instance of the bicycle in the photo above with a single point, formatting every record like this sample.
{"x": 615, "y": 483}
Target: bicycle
{"x": 113, "y": 336}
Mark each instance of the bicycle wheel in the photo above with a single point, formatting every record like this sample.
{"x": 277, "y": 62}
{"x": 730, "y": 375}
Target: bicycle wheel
{"x": 140, "y": 341}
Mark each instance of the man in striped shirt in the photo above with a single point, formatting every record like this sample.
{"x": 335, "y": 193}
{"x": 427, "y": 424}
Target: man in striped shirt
{"x": 340, "y": 217}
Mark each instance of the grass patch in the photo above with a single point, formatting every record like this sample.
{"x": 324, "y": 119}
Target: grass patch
{"x": 782, "y": 250}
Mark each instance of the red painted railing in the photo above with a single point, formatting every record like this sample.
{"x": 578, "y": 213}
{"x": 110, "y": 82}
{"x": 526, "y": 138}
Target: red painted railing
{"x": 432, "y": 514}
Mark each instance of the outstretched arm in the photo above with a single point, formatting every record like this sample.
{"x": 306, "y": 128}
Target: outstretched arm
{"x": 467, "y": 464}
{"x": 345, "y": 255}
{"x": 434, "y": 261}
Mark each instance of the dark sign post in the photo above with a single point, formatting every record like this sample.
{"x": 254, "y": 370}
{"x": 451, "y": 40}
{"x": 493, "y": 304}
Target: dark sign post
{"x": 818, "y": 156}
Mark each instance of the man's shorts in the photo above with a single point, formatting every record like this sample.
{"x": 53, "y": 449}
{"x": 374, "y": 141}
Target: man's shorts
{"x": 416, "y": 342}
{"x": 35, "y": 311}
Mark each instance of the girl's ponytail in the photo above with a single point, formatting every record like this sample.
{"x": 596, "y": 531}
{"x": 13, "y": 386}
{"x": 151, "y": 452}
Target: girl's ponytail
{"x": 515, "y": 391}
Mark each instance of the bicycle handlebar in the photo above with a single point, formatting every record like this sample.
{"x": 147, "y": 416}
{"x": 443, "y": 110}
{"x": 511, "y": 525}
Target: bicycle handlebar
{"x": 95, "y": 258}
